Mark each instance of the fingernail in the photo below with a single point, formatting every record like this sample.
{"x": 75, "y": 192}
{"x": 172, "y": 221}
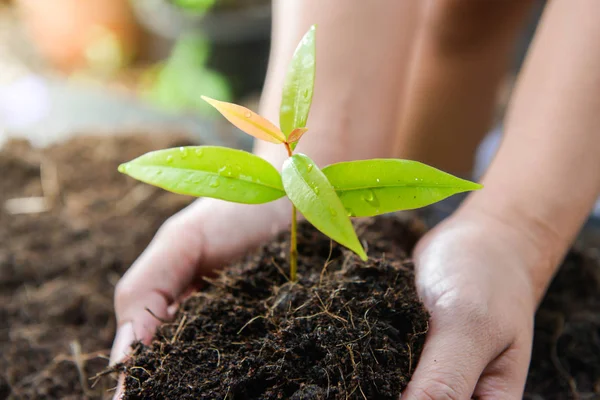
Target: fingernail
{"x": 122, "y": 344}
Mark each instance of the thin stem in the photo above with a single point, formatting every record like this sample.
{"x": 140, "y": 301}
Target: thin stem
{"x": 293, "y": 247}
{"x": 294, "y": 237}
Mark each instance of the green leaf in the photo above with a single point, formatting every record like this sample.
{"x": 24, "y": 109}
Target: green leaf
{"x": 209, "y": 171}
{"x": 312, "y": 194}
{"x": 379, "y": 186}
{"x": 298, "y": 86}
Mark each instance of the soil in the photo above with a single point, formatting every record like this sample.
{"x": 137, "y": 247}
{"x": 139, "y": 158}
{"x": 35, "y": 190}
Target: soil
{"x": 58, "y": 269}
{"x": 345, "y": 330}
{"x": 566, "y": 352}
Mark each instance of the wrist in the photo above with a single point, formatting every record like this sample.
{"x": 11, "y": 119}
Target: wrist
{"x": 534, "y": 242}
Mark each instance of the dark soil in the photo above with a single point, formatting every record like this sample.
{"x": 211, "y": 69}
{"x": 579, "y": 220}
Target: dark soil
{"x": 566, "y": 353}
{"x": 348, "y": 331}
{"x": 58, "y": 270}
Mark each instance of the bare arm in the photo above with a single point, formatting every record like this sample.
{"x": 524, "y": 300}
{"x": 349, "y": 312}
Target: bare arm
{"x": 363, "y": 51}
{"x": 545, "y": 178}
{"x": 464, "y": 50}
{"x": 482, "y": 272}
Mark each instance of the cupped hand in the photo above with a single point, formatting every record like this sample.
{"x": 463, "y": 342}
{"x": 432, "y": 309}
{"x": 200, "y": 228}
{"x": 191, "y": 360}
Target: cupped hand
{"x": 473, "y": 274}
{"x": 190, "y": 244}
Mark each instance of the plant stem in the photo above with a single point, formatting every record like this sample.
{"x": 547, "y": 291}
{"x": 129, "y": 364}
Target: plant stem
{"x": 293, "y": 247}
{"x": 293, "y": 238}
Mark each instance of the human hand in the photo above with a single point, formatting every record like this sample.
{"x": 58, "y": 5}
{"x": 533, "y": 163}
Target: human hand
{"x": 474, "y": 276}
{"x": 189, "y": 245}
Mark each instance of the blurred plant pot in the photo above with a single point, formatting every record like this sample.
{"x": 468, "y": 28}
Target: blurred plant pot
{"x": 76, "y": 34}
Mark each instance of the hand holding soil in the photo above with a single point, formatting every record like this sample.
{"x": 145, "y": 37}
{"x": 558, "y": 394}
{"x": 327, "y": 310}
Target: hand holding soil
{"x": 471, "y": 277}
{"x": 200, "y": 238}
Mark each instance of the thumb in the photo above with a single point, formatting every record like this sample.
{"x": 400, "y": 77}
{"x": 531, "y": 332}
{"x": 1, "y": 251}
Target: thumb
{"x": 157, "y": 278}
{"x": 450, "y": 365}
{"x": 178, "y": 254}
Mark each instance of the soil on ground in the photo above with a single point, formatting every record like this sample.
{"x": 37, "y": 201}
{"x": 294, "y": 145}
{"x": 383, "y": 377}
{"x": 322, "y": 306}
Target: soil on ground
{"x": 58, "y": 269}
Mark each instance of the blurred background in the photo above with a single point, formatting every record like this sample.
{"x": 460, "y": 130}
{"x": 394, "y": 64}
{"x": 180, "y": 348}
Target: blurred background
{"x": 114, "y": 65}
{"x": 100, "y": 66}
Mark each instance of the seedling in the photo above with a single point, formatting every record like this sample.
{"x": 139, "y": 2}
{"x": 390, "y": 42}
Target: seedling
{"x": 326, "y": 197}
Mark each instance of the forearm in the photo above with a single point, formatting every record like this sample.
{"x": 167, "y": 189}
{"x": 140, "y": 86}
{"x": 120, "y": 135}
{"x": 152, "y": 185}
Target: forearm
{"x": 464, "y": 50}
{"x": 544, "y": 180}
{"x": 362, "y": 55}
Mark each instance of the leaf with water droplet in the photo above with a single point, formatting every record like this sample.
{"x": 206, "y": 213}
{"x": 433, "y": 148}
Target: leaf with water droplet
{"x": 379, "y": 186}
{"x": 298, "y": 86}
{"x": 310, "y": 191}
{"x": 247, "y": 121}
{"x": 218, "y": 173}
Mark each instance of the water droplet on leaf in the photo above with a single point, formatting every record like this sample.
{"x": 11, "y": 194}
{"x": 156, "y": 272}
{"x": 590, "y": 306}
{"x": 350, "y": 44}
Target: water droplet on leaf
{"x": 215, "y": 183}
{"x": 371, "y": 198}
{"x": 248, "y": 114}
{"x": 225, "y": 170}
{"x": 199, "y": 152}
{"x": 332, "y": 212}
{"x": 377, "y": 180}
{"x": 183, "y": 152}
{"x": 169, "y": 159}
{"x": 309, "y": 167}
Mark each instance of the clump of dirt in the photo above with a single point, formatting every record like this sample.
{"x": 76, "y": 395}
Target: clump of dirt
{"x": 346, "y": 330}
{"x": 58, "y": 267}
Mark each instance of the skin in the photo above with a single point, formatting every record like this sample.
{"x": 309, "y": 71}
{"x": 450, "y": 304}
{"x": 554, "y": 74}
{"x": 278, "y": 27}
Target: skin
{"x": 483, "y": 271}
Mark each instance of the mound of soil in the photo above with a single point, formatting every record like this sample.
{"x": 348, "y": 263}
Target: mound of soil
{"x": 58, "y": 268}
{"x": 346, "y": 329}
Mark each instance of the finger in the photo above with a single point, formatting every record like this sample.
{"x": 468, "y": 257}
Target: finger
{"x": 163, "y": 271}
{"x": 450, "y": 365}
{"x": 505, "y": 377}
{"x": 120, "y": 390}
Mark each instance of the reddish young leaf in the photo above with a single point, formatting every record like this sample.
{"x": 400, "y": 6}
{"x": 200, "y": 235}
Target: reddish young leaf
{"x": 248, "y": 121}
{"x": 296, "y": 134}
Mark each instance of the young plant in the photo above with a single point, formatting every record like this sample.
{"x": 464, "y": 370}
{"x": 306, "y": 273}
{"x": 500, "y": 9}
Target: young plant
{"x": 326, "y": 197}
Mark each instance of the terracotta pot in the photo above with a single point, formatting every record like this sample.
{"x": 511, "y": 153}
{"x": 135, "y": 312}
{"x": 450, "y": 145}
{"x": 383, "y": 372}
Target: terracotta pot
{"x": 80, "y": 34}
